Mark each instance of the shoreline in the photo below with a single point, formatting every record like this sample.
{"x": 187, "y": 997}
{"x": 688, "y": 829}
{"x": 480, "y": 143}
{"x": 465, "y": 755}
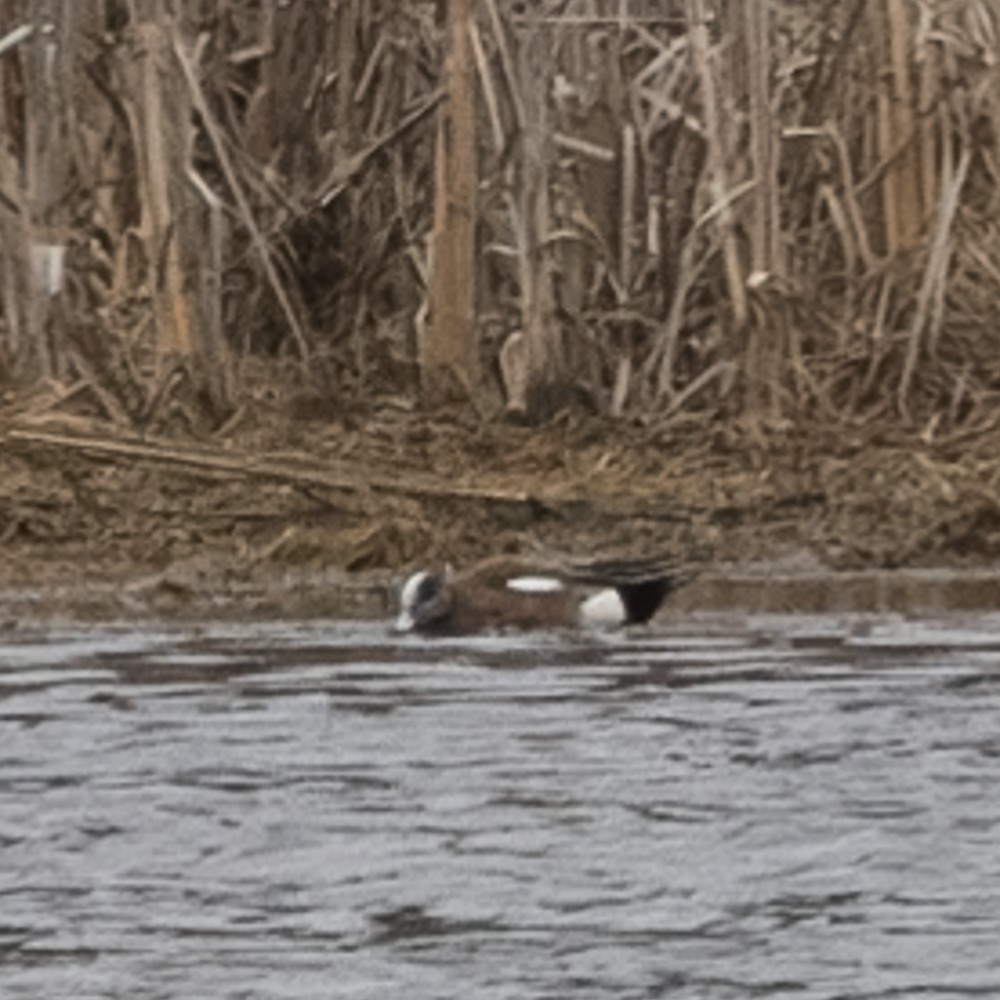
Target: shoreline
{"x": 290, "y": 520}
{"x": 755, "y": 589}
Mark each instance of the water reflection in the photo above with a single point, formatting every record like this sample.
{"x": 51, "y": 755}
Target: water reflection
{"x": 775, "y": 808}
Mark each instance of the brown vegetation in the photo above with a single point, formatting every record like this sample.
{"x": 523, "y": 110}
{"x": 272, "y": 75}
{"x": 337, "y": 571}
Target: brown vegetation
{"x": 760, "y": 210}
{"x": 766, "y": 224}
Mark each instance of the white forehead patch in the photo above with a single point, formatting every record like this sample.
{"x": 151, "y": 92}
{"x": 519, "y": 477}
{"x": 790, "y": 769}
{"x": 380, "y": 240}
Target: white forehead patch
{"x": 605, "y": 609}
{"x": 408, "y": 595}
{"x": 535, "y": 584}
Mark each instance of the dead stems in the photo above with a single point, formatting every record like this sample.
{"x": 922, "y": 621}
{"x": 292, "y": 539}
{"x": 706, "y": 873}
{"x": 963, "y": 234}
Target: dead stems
{"x": 629, "y": 175}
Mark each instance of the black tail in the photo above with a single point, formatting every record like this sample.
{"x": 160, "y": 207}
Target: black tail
{"x": 643, "y": 583}
{"x": 643, "y": 598}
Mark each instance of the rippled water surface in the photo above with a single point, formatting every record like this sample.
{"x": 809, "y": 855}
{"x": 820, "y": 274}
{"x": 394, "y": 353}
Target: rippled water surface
{"x": 801, "y": 808}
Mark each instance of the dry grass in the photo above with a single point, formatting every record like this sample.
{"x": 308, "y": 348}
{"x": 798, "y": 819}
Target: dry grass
{"x": 763, "y": 211}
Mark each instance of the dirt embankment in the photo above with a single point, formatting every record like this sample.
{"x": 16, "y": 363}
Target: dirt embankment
{"x": 315, "y": 516}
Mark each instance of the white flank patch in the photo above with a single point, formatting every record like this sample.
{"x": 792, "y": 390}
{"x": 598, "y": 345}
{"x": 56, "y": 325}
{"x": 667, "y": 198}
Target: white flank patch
{"x": 535, "y": 584}
{"x": 604, "y": 610}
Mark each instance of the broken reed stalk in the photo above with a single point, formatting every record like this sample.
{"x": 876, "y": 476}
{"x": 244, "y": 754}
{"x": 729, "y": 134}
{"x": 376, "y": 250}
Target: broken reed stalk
{"x": 214, "y": 351}
{"x": 236, "y": 190}
{"x": 629, "y": 188}
{"x": 507, "y": 62}
{"x": 898, "y": 125}
{"x": 716, "y": 167}
{"x": 543, "y": 348}
{"x": 925, "y": 327}
{"x": 858, "y": 229}
{"x": 762, "y": 369}
{"x": 449, "y": 354}
{"x": 46, "y": 158}
{"x": 163, "y": 141}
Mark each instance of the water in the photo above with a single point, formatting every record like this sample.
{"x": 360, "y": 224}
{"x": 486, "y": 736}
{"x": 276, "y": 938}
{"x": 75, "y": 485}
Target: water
{"x": 800, "y": 808}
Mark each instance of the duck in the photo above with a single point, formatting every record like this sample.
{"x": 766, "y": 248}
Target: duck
{"x": 508, "y": 592}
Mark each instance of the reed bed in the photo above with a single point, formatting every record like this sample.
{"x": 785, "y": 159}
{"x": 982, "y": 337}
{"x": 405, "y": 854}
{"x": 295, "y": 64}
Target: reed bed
{"x": 759, "y": 211}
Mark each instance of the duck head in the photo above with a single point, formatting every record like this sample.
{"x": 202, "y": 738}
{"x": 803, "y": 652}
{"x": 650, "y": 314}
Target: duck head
{"x": 425, "y": 599}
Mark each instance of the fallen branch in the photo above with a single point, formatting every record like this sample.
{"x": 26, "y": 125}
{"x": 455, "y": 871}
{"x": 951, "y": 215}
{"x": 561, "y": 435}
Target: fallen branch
{"x": 292, "y": 470}
{"x": 282, "y": 470}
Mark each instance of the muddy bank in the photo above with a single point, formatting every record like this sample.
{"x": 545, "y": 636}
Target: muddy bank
{"x": 723, "y": 591}
{"x": 287, "y": 516}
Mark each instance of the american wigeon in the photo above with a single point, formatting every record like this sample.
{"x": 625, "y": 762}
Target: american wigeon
{"x": 507, "y": 592}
